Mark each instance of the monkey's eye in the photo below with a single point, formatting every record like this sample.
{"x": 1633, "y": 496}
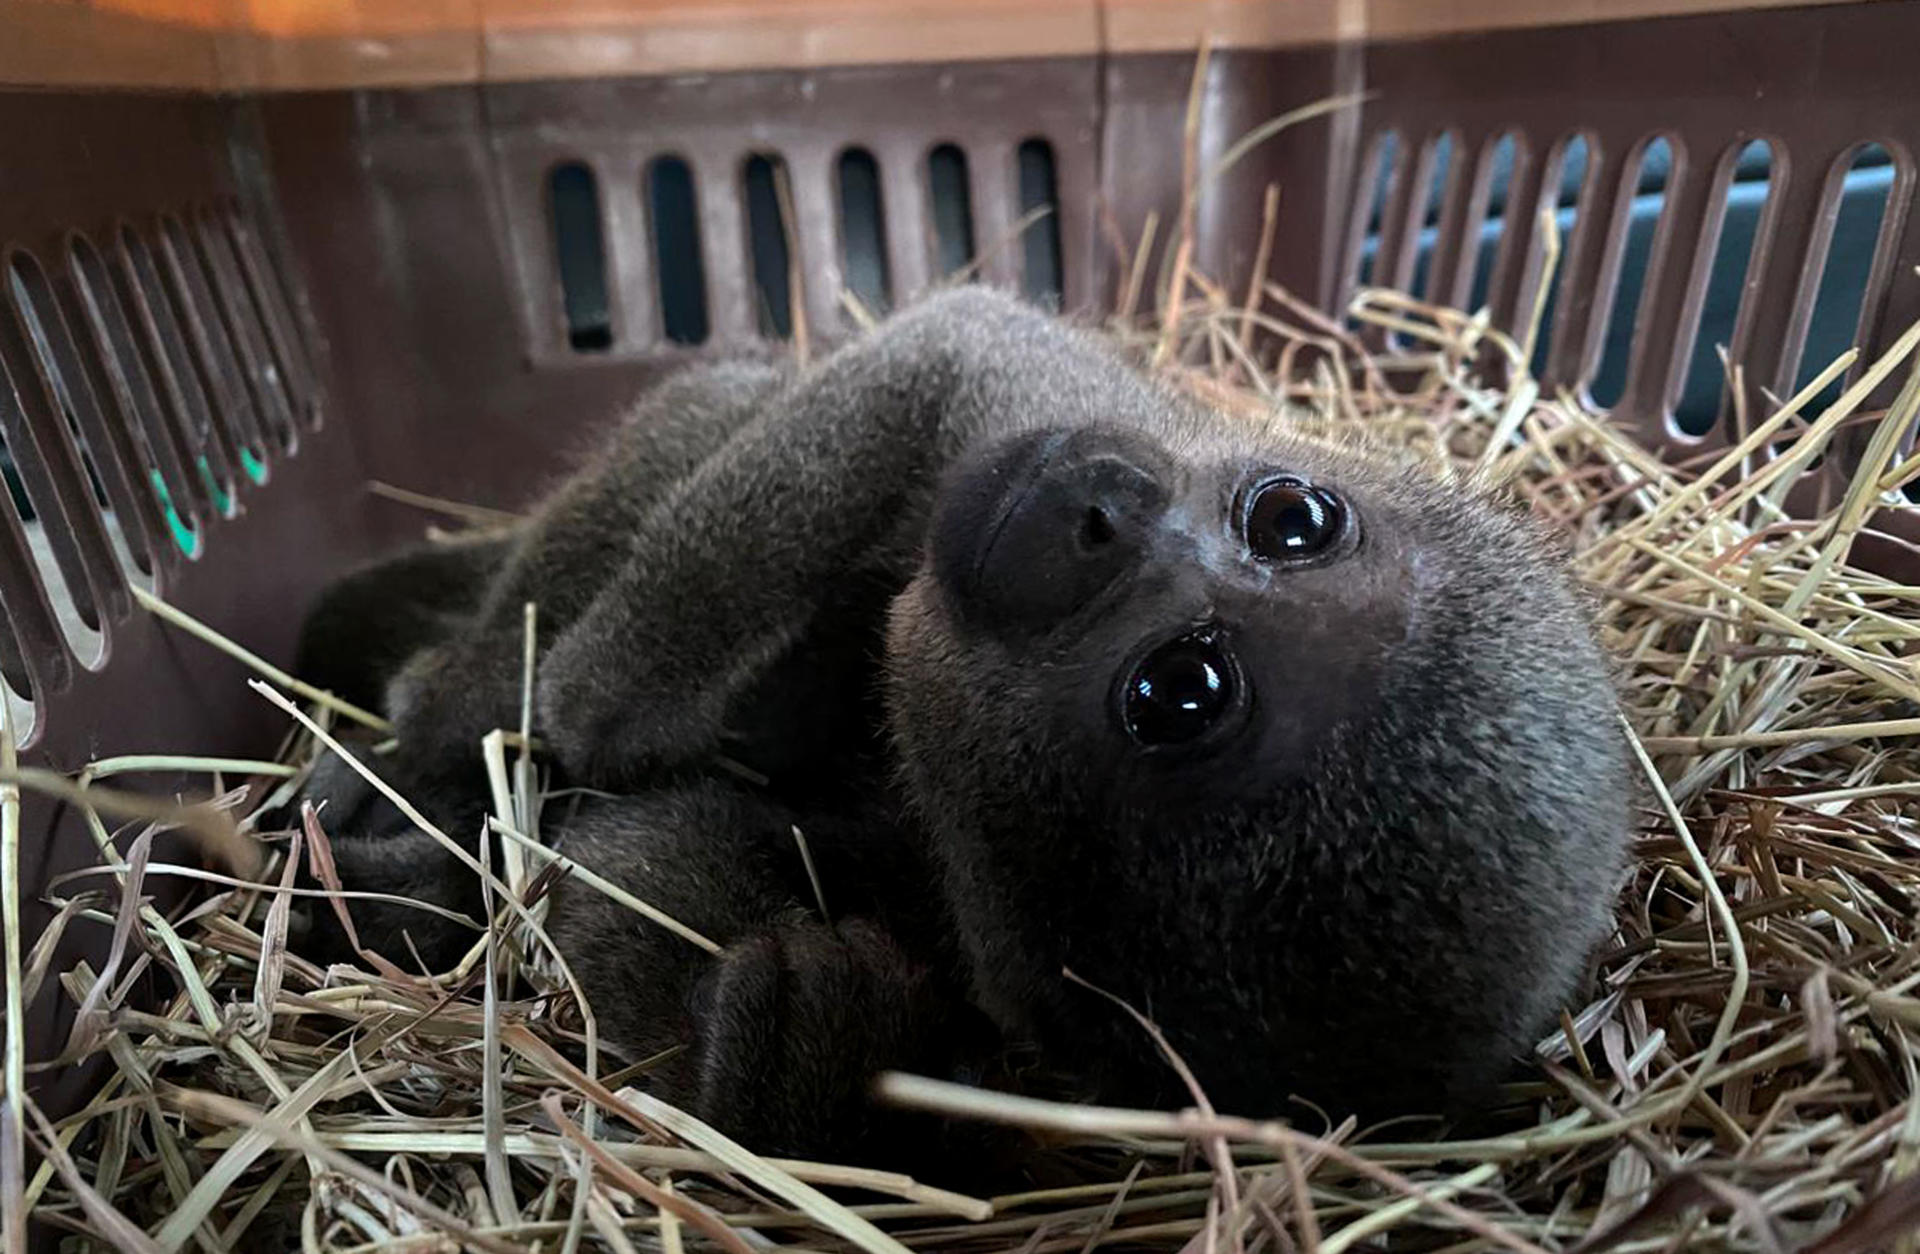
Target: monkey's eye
{"x": 1289, "y": 519}
{"x": 1179, "y": 690}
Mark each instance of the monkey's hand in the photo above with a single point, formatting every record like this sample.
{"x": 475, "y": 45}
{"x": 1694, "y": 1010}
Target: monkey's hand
{"x": 407, "y": 897}
{"x": 794, "y": 1023}
{"x": 780, "y": 1032}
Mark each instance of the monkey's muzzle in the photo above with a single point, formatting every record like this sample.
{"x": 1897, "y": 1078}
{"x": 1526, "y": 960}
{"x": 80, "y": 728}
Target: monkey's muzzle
{"x": 1030, "y": 531}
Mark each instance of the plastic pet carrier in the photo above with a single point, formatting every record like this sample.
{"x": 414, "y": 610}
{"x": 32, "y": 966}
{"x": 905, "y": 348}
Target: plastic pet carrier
{"x": 271, "y": 267}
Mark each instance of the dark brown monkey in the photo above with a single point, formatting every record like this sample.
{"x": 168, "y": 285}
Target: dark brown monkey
{"x": 1305, "y": 754}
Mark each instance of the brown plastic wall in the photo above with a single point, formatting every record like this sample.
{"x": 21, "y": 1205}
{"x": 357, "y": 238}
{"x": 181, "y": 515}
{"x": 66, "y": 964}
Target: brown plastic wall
{"x": 397, "y": 300}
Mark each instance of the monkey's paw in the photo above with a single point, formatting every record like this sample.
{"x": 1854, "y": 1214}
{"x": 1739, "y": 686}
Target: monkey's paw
{"x": 794, "y": 1025}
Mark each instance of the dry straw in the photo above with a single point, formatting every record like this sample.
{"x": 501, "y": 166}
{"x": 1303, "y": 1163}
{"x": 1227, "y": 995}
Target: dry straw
{"x": 1742, "y": 1077}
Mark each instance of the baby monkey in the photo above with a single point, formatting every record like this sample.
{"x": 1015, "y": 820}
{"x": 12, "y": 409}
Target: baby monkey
{"x": 1304, "y": 754}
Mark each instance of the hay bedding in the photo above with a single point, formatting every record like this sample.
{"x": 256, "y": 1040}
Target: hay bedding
{"x": 1742, "y": 1078}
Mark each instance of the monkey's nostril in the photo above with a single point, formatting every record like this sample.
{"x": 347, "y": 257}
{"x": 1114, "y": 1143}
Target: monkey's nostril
{"x": 1097, "y": 530}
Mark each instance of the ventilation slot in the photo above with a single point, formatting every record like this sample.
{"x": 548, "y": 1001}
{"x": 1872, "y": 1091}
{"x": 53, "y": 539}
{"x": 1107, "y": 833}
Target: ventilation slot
{"x": 22, "y": 609}
{"x": 580, "y": 254}
{"x": 770, "y": 243}
{"x": 16, "y": 679}
{"x": 54, "y": 539}
{"x": 1859, "y": 186}
{"x": 271, "y": 292}
{"x": 1040, "y": 210}
{"x": 179, "y": 381}
{"x": 1747, "y": 181}
{"x": 1486, "y": 218}
{"x": 244, "y": 328}
{"x": 1566, "y": 183}
{"x": 124, "y": 376}
{"x": 16, "y": 686}
{"x": 1374, "y": 190}
{"x": 74, "y": 393}
{"x": 214, "y": 354}
{"x": 1866, "y": 178}
{"x": 13, "y": 666}
{"x": 1382, "y": 170}
{"x": 863, "y": 231}
{"x": 675, "y": 217}
{"x": 950, "y": 194}
{"x": 1647, "y": 212}
{"x": 1427, "y": 225}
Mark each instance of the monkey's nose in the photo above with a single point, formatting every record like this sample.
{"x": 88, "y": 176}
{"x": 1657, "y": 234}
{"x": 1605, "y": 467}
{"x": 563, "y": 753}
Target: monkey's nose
{"x": 1035, "y": 530}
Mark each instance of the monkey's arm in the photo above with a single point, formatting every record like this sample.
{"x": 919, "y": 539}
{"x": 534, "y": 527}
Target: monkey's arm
{"x": 367, "y": 623}
{"x": 831, "y": 483}
{"x": 449, "y": 696}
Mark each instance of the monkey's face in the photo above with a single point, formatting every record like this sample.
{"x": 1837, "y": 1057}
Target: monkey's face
{"x": 1191, "y": 621}
{"x": 1268, "y": 739}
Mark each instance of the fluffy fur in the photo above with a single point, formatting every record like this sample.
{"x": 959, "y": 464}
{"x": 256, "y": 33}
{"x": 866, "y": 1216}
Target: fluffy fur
{"x": 906, "y": 585}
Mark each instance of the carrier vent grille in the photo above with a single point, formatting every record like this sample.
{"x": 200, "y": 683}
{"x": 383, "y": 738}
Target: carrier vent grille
{"x": 148, "y": 382}
{"x": 661, "y": 273}
{"x": 1639, "y": 266}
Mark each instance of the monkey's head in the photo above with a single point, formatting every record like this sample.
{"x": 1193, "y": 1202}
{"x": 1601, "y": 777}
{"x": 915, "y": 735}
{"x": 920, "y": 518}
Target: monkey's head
{"x": 1310, "y": 758}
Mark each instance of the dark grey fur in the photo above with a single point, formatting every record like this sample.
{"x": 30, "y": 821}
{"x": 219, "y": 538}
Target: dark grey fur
{"x": 1374, "y": 891}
